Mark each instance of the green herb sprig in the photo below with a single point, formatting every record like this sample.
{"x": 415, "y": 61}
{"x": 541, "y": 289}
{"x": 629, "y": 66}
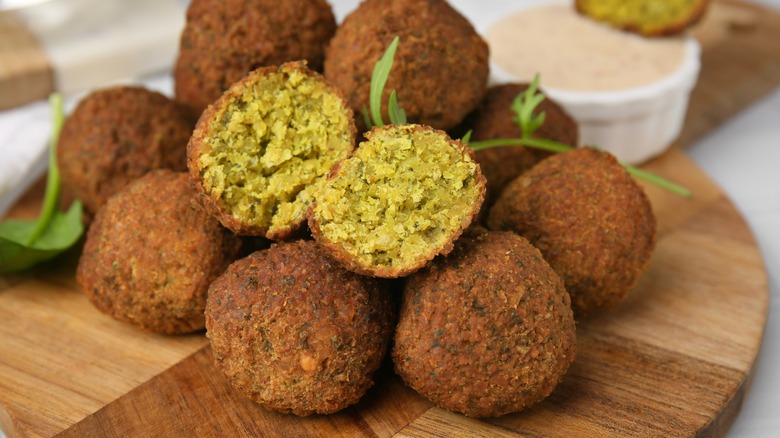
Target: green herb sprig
{"x": 379, "y": 77}
{"x": 24, "y": 244}
{"x": 524, "y": 106}
{"x": 526, "y": 117}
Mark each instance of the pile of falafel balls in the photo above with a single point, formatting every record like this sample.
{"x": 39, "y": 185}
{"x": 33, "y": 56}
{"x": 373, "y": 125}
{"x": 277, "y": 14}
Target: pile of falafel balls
{"x": 491, "y": 255}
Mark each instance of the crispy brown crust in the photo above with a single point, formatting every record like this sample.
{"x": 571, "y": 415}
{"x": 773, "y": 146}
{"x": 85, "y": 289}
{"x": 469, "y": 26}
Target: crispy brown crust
{"x": 196, "y": 146}
{"x": 152, "y": 253}
{"x": 224, "y": 40}
{"x": 590, "y": 219}
{"x": 494, "y": 119}
{"x": 297, "y": 333}
{"x": 116, "y": 135}
{"x": 487, "y": 330}
{"x": 671, "y": 29}
{"x": 348, "y": 261}
{"x": 440, "y": 70}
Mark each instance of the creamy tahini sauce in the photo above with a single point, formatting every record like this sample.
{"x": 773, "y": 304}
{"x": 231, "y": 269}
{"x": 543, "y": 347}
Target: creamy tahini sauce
{"x": 574, "y": 53}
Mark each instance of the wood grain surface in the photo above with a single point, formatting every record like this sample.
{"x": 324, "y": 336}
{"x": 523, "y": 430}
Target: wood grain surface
{"x": 674, "y": 359}
{"x": 25, "y": 72}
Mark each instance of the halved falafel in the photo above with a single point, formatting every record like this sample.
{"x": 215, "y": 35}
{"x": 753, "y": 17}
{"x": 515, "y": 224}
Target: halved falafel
{"x": 487, "y": 330}
{"x": 441, "y": 66}
{"x": 151, "y": 254}
{"x": 258, "y": 150}
{"x": 223, "y": 40}
{"x": 403, "y": 198}
{"x": 296, "y": 332}
{"x": 114, "y": 136}
{"x": 590, "y": 219}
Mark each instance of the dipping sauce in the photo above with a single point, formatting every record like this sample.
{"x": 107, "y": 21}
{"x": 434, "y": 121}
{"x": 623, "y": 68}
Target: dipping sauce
{"x": 572, "y": 52}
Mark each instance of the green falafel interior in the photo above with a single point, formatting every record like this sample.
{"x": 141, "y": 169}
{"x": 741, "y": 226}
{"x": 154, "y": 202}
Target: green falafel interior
{"x": 404, "y": 196}
{"x": 269, "y": 142}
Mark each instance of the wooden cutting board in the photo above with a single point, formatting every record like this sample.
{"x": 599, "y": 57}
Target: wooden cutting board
{"x": 675, "y": 359}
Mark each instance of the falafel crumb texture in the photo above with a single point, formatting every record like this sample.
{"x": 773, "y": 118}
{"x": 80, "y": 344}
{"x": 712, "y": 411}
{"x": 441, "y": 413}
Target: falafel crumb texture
{"x": 406, "y": 190}
{"x": 269, "y": 144}
{"x": 649, "y": 18}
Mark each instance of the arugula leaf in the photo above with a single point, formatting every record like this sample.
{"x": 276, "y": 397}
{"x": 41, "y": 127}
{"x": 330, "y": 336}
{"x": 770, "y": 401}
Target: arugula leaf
{"x": 24, "y": 244}
{"x": 396, "y": 113}
{"x": 379, "y": 79}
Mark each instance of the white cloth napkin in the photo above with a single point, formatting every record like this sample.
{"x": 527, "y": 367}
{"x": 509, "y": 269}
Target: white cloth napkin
{"x": 24, "y": 134}
{"x": 24, "y": 140}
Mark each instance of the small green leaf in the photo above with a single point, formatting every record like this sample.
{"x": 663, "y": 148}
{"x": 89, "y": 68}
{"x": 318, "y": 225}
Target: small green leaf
{"x": 466, "y": 138}
{"x": 27, "y": 243}
{"x": 379, "y": 79}
{"x": 524, "y": 106}
{"x": 63, "y": 231}
{"x": 397, "y": 115}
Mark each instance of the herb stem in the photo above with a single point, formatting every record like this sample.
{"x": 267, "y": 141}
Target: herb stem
{"x": 53, "y": 179}
{"x": 657, "y": 180}
{"x": 554, "y": 146}
{"x": 535, "y": 143}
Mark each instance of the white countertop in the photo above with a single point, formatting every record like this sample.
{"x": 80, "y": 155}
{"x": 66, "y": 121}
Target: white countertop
{"x": 741, "y": 156}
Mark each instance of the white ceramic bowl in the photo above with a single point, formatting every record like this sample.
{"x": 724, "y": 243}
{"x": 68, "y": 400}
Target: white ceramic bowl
{"x": 634, "y": 124}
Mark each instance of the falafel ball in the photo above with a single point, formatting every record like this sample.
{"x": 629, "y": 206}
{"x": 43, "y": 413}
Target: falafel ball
{"x": 591, "y": 220}
{"x": 645, "y": 17}
{"x": 297, "y": 333}
{"x": 152, "y": 253}
{"x": 259, "y": 150}
{"x": 404, "y": 197}
{"x": 494, "y": 118}
{"x": 440, "y": 70}
{"x": 487, "y": 330}
{"x": 224, "y": 40}
{"x": 116, "y": 135}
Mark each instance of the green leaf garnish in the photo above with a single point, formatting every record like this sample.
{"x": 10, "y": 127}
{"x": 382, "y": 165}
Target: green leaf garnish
{"x": 524, "y": 106}
{"x": 378, "y": 80}
{"x": 396, "y": 113}
{"x": 466, "y": 137}
{"x": 24, "y": 244}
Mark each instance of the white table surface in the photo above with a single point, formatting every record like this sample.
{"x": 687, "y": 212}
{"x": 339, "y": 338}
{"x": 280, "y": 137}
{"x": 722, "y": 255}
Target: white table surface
{"x": 742, "y": 157}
